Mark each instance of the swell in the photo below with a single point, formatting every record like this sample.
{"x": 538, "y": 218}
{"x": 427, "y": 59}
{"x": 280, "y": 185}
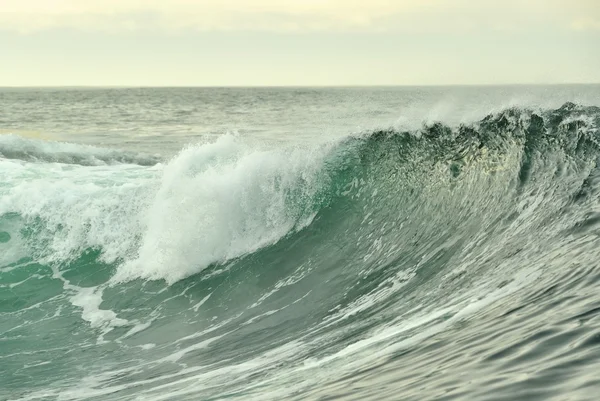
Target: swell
{"x": 376, "y": 196}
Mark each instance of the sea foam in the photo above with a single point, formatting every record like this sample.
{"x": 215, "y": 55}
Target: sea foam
{"x": 210, "y": 203}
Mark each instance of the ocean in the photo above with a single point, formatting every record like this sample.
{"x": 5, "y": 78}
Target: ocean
{"x": 409, "y": 243}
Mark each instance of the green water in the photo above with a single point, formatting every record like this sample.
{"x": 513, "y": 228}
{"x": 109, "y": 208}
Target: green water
{"x": 435, "y": 260}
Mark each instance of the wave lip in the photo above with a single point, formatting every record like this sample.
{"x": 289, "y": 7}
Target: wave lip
{"x": 35, "y": 150}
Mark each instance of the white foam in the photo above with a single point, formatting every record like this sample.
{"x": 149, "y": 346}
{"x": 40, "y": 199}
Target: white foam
{"x": 78, "y": 207}
{"x": 220, "y": 201}
{"x": 199, "y": 304}
{"x": 89, "y": 300}
{"x": 211, "y": 203}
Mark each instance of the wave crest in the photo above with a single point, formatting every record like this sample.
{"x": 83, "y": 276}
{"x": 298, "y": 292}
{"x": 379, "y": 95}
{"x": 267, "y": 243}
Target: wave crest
{"x": 216, "y": 202}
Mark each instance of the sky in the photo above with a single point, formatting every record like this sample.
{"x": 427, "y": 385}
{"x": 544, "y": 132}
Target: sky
{"x": 298, "y": 42}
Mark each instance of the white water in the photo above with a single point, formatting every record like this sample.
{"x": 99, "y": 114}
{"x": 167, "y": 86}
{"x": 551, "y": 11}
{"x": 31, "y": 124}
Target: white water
{"x": 210, "y": 203}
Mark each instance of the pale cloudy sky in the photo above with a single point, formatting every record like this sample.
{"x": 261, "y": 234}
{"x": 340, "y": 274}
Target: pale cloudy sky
{"x": 287, "y": 42}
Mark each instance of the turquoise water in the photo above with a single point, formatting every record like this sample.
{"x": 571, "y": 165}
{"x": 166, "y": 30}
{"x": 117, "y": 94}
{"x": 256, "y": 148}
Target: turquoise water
{"x": 268, "y": 244}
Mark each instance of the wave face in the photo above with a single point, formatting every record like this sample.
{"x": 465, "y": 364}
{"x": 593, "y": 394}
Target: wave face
{"x": 455, "y": 262}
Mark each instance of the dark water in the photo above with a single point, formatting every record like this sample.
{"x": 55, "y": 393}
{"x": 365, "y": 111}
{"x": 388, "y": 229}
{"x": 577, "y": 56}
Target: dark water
{"x": 268, "y": 244}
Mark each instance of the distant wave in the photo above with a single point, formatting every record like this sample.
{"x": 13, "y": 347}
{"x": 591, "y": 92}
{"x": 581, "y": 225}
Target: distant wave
{"x": 37, "y": 150}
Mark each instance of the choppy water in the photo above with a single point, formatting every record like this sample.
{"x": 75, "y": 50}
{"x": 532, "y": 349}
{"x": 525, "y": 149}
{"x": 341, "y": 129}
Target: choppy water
{"x": 269, "y": 244}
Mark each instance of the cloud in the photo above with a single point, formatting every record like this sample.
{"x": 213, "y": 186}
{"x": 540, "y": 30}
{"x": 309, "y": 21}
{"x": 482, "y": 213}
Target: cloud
{"x": 296, "y": 15}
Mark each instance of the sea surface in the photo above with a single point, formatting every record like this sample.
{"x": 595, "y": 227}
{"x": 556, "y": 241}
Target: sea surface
{"x": 412, "y": 243}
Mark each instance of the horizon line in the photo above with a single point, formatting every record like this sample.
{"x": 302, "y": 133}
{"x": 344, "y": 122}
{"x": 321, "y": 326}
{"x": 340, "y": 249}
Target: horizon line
{"x": 288, "y": 86}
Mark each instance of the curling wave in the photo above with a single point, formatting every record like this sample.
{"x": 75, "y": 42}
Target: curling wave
{"x": 285, "y": 273}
